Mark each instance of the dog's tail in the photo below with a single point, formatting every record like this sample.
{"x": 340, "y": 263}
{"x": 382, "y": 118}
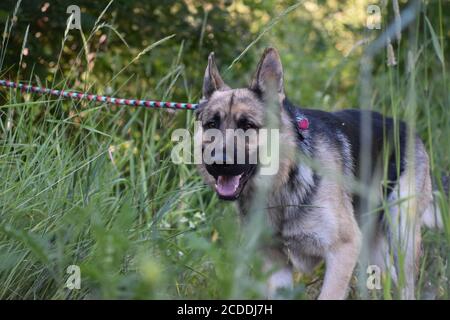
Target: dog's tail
{"x": 432, "y": 217}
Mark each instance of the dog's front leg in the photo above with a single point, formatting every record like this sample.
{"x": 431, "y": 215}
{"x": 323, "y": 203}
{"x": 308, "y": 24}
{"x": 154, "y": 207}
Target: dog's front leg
{"x": 339, "y": 262}
{"x": 280, "y": 273}
{"x": 280, "y": 279}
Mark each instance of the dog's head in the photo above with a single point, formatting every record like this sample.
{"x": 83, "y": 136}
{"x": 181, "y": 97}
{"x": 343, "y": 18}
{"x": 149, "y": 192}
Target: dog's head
{"x": 237, "y": 115}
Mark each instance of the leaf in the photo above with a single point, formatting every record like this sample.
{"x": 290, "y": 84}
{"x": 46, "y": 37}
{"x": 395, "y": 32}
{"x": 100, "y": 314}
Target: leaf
{"x": 38, "y": 245}
{"x": 436, "y": 44}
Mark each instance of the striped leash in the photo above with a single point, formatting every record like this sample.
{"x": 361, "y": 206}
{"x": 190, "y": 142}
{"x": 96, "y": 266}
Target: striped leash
{"x": 68, "y": 94}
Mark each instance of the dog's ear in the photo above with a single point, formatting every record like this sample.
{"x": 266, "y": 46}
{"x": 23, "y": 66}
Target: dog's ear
{"x": 212, "y": 80}
{"x": 269, "y": 73}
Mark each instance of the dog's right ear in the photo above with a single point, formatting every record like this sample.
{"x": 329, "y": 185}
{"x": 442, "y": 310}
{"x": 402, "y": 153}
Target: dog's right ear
{"x": 212, "y": 80}
{"x": 269, "y": 73}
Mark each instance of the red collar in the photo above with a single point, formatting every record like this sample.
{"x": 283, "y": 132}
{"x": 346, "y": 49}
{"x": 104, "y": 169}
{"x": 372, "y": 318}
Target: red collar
{"x": 302, "y": 122}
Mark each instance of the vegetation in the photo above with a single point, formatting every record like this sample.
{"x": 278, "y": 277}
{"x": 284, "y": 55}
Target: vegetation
{"x": 93, "y": 185}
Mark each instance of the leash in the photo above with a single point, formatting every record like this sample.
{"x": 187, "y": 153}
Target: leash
{"x": 74, "y": 95}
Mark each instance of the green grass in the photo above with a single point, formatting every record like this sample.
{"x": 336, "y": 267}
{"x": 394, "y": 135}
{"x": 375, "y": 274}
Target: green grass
{"x": 94, "y": 186}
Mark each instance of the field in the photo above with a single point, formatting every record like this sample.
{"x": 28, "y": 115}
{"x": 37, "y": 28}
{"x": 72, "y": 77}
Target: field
{"x": 93, "y": 185}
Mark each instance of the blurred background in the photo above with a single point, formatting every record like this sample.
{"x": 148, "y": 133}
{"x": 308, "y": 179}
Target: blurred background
{"x": 93, "y": 186}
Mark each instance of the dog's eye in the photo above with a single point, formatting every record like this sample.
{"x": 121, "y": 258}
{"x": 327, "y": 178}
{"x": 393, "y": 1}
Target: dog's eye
{"x": 249, "y": 126}
{"x": 246, "y": 125}
{"x": 211, "y": 124}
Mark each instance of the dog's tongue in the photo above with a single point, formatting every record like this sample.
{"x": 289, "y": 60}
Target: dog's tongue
{"x": 227, "y": 185}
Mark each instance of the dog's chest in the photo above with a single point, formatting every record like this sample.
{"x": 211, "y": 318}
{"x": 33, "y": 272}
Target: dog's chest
{"x": 304, "y": 229}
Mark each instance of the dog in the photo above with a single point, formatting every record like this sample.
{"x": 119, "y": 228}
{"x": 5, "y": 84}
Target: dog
{"x": 314, "y": 209}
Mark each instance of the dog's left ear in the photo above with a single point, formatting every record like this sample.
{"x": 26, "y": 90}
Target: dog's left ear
{"x": 269, "y": 73}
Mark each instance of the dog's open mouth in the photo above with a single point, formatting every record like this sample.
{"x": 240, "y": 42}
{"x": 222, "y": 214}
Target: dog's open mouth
{"x": 229, "y": 185}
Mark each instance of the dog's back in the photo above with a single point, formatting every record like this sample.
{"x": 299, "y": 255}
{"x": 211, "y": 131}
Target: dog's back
{"x": 365, "y": 137}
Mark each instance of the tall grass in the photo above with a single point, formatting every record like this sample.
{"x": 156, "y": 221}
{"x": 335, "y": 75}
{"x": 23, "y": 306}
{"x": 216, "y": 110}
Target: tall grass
{"x": 94, "y": 186}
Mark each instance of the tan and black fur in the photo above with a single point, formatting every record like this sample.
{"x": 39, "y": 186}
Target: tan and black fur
{"x": 315, "y": 207}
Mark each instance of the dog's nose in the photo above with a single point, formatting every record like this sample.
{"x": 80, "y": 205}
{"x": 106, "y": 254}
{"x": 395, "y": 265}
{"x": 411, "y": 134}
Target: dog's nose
{"x": 221, "y": 157}
{"x": 223, "y": 164}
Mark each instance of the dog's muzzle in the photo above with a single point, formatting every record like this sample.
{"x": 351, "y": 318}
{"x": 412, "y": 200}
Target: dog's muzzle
{"x": 230, "y": 178}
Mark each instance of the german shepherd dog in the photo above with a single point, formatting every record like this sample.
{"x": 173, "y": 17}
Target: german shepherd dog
{"x": 314, "y": 215}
